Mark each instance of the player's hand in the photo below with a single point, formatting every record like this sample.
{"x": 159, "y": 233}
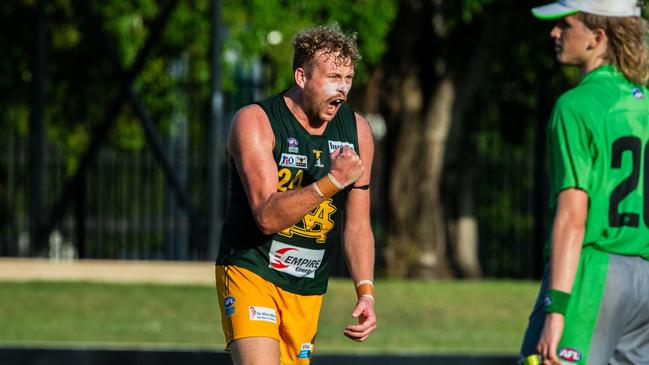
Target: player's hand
{"x": 346, "y": 165}
{"x": 547, "y": 346}
{"x": 364, "y": 312}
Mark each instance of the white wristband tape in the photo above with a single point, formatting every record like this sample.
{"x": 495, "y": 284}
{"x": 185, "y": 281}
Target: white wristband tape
{"x": 317, "y": 190}
{"x": 365, "y": 282}
{"x": 368, "y": 296}
{"x": 335, "y": 182}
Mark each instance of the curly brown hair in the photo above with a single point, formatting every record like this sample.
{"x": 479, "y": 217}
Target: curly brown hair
{"x": 331, "y": 39}
{"x": 628, "y": 48}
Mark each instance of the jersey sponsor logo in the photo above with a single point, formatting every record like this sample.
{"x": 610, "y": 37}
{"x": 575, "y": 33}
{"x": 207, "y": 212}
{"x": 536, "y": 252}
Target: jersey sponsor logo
{"x": 317, "y": 154}
{"x": 296, "y": 261}
{"x": 228, "y": 304}
{"x": 316, "y": 224}
{"x": 262, "y": 314}
{"x": 637, "y": 93}
{"x": 334, "y": 145}
{"x": 570, "y": 354}
{"x": 291, "y": 160}
{"x": 292, "y": 145}
{"x": 305, "y": 351}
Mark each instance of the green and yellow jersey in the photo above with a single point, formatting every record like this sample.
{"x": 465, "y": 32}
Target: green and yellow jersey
{"x": 297, "y": 258}
{"x": 598, "y": 141}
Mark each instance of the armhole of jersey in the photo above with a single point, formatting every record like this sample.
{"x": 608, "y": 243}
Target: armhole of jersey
{"x": 357, "y": 139}
{"x": 273, "y": 127}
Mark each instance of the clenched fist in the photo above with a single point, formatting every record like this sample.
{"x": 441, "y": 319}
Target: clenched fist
{"x": 346, "y": 165}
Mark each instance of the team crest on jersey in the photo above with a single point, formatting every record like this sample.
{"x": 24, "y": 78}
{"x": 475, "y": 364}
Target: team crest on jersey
{"x": 334, "y": 145}
{"x": 316, "y": 224}
{"x": 317, "y": 154}
{"x": 637, "y": 93}
{"x": 291, "y": 160}
{"x": 292, "y": 145}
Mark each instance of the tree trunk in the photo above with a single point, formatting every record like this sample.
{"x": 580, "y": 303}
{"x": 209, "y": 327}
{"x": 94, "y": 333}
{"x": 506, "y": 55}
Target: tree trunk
{"x": 427, "y": 84}
{"x": 417, "y": 243}
{"x": 465, "y": 241}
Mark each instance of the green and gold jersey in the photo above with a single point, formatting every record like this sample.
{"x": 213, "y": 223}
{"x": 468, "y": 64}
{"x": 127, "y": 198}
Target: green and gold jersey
{"x": 598, "y": 141}
{"x": 297, "y": 258}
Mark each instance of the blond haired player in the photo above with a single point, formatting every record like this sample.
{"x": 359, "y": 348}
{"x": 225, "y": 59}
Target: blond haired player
{"x": 593, "y": 307}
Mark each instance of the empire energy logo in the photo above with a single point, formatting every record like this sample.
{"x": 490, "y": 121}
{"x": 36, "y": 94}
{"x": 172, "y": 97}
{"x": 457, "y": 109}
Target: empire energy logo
{"x": 295, "y": 261}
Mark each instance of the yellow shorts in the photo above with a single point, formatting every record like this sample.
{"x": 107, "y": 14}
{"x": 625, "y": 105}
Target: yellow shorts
{"x": 254, "y": 307}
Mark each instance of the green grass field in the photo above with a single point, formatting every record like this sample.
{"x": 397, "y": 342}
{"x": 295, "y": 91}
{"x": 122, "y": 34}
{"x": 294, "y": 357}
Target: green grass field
{"x": 414, "y": 316}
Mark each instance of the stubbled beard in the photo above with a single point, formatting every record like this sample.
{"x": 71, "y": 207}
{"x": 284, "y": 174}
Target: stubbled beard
{"x": 311, "y": 109}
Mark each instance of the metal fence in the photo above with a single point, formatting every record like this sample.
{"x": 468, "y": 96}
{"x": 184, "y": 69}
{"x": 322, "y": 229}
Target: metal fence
{"x": 510, "y": 203}
{"x": 126, "y": 210}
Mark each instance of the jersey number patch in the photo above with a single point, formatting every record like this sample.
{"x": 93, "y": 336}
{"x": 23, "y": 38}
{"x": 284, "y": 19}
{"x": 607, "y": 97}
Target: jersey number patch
{"x": 630, "y": 183}
{"x": 318, "y": 222}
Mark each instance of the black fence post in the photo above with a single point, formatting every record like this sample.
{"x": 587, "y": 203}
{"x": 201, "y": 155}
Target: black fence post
{"x": 37, "y": 137}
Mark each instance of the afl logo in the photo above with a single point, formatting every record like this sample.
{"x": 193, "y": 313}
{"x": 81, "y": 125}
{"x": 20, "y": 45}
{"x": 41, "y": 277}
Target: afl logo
{"x": 228, "y": 301}
{"x": 228, "y": 305}
{"x": 570, "y": 354}
{"x": 292, "y": 145}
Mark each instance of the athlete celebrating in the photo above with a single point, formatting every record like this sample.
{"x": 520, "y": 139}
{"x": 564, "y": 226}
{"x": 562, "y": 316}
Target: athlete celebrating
{"x": 593, "y": 307}
{"x": 300, "y": 165}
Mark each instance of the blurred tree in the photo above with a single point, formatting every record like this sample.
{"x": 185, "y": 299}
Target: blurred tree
{"x": 455, "y": 80}
{"x": 254, "y": 32}
{"x": 5, "y": 215}
{"x": 453, "y": 67}
{"x": 81, "y": 81}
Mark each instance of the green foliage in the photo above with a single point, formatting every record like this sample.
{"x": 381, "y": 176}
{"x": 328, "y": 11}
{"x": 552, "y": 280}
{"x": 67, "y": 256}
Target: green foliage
{"x": 505, "y": 129}
{"x": 81, "y": 81}
{"x": 472, "y": 8}
{"x": 250, "y": 22}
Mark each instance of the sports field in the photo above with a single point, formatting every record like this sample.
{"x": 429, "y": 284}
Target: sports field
{"x": 414, "y": 316}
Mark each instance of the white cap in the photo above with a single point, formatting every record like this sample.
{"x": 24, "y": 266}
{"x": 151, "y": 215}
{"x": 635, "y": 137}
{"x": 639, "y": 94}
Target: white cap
{"x": 563, "y": 8}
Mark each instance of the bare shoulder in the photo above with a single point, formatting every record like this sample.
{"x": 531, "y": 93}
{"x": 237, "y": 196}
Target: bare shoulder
{"x": 362, "y": 123}
{"x": 365, "y": 138}
{"x": 252, "y": 116}
{"x": 250, "y": 126}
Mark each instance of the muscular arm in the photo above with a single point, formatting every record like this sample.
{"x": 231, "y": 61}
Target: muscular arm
{"x": 250, "y": 144}
{"x": 359, "y": 239}
{"x": 358, "y": 236}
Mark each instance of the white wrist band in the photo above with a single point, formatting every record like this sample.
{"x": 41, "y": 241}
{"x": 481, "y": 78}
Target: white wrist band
{"x": 368, "y": 296}
{"x": 365, "y": 282}
{"x": 335, "y": 182}
{"x": 317, "y": 190}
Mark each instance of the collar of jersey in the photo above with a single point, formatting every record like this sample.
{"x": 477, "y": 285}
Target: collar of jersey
{"x": 602, "y": 71}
